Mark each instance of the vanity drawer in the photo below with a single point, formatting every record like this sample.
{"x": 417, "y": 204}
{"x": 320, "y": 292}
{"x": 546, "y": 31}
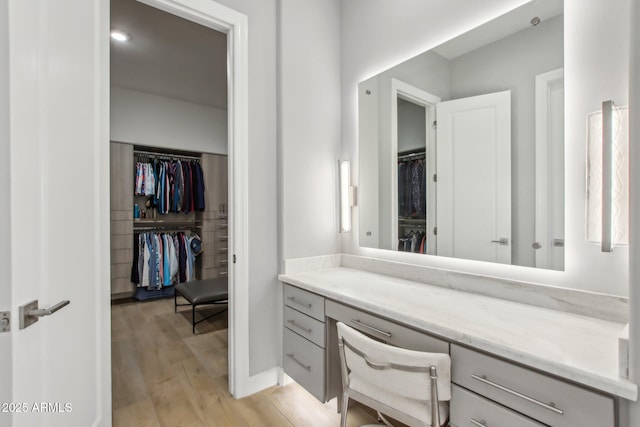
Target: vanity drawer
{"x": 471, "y": 410}
{"x": 305, "y": 363}
{"x": 385, "y": 330}
{"x": 549, "y": 400}
{"x": 304, "y": 301}
{"x": 305, "y": 326}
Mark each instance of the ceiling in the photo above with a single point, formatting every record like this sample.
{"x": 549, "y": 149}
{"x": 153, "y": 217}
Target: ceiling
{"x": 168, "y": 55}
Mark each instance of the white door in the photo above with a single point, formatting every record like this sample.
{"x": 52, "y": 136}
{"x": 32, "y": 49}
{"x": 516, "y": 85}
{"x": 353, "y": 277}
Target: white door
{"x": 59, "y": 158}
{"x": 474, "y": 178}
{"x": 549, "y": 121}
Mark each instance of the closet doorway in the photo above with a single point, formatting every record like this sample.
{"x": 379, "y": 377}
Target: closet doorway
{"x": 169, "y": 113}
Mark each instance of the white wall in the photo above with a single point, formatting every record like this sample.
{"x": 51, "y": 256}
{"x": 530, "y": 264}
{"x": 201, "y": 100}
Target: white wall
{"x": 5, "y": 218}
{"x": 147, "y": 119}
{"x": 634, "y": 208}
{"x": 309, "y": 97}
{"x": 412, "y": 132}
{"x": 265, "y": 303}
{"x": 378, "y": 34}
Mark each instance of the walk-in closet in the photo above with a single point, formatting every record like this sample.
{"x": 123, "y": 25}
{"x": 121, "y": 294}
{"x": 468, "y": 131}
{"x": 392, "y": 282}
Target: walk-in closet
{"x": 169, "y": 207}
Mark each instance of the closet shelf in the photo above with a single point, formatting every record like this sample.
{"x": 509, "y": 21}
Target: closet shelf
{"x": 155, "y": 224}
{"x": 412, "y": 220}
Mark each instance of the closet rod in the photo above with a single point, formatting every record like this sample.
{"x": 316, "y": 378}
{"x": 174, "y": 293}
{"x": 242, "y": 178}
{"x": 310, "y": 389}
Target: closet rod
{"x": 410, "y": 156}
{"x": 165, "y": 228}
{"x": 164, "y": 155}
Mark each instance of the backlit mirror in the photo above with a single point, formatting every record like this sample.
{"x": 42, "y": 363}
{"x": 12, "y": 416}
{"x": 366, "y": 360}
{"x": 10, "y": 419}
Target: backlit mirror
{"x": 461, "y": 148}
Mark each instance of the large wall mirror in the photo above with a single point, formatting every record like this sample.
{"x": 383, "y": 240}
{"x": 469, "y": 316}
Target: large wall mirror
{"x": 461, "y": 148}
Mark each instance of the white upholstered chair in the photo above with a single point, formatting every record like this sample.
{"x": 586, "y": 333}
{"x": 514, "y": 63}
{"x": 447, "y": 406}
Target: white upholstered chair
{"x": 413, "y": 387}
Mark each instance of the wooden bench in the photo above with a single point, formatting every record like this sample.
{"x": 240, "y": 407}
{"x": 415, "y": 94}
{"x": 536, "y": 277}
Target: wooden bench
{"x": 202, "y": 292}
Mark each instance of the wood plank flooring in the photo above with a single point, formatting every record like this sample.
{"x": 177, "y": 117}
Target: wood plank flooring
{"x": 163, "y": 375}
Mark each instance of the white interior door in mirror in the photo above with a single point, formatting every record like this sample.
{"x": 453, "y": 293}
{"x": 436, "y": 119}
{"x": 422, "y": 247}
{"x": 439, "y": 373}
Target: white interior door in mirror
{"x": 474, "y": 177}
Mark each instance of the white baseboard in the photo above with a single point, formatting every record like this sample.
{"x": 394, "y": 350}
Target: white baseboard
{"x": 264, "y": 380}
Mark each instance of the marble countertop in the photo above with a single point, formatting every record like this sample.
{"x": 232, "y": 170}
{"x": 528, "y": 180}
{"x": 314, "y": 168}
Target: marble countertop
{"x": 571, "y": 346}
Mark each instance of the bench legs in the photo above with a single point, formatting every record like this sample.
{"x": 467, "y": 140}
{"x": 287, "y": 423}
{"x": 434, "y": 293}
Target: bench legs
{"x": 193, "y": 310}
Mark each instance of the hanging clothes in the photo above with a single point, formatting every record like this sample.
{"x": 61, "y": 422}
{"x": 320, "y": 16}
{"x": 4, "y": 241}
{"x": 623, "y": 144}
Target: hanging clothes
{"x": 413, "y": 242}
{"x": 412, "y": 185}
{"x": 145, "y": 182}
{"x": 162, "y": 259}
{"x": 174, "y": 185}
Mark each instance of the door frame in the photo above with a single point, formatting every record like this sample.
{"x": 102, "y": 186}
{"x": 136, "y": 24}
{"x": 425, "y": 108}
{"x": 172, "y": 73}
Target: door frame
{"x": 543, "y": 83}
{"x": 235, "y": 25}
{"x": 403, "y": 90}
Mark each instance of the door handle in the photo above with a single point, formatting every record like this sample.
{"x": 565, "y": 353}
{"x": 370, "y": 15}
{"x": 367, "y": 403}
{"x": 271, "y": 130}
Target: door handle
{"x": 536, "y": 245}
{"x": 30, "y": 313}
{"x": 503, "y": 241}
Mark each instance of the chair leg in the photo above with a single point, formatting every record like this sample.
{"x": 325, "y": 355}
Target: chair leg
{"x": 345, "y": 408}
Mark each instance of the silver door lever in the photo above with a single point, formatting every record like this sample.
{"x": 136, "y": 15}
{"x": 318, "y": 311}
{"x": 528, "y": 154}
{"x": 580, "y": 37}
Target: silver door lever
{"x": 503, "y": 241}
{"x": 48, "y": 311}
{"x": 30, "y": 313}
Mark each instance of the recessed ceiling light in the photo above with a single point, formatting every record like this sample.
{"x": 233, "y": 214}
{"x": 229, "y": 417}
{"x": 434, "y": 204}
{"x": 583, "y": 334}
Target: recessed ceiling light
{"x": 120, "y": 36}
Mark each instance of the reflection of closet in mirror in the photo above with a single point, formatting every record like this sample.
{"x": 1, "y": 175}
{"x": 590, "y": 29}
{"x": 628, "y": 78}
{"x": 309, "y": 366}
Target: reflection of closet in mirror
{"x": 413, "y": 146}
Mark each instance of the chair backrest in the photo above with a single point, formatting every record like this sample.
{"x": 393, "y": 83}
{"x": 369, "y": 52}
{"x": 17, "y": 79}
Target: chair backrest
{"x": 396, "y": 370}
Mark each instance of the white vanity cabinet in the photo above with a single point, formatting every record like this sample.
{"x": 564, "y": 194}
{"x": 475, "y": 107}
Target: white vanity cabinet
{"x": 543, "y": 398}
{"x": 522, "y": 373}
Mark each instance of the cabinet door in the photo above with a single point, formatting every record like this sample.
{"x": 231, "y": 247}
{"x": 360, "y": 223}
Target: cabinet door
{"x": 121, "y": 171}
{"x": 214, "y": 225}
{"x": 121, "y": 168}
{"x": 214, "y": 167}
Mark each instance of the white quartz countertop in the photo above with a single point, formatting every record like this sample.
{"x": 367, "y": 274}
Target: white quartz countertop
{"x": 574, "y": 347}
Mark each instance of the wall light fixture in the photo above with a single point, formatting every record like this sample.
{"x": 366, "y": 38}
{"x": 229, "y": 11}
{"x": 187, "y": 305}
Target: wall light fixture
{"x": 608, "y": 176}
{"x": 347, "y": 195}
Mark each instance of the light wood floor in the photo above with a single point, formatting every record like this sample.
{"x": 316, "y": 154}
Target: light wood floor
{"x": 163, "y": 375}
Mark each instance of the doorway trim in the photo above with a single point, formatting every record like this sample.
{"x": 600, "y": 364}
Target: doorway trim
{"x": 547, "y": 256}
{"x": 415, "y": 95}
{"x": 235, "y": 26}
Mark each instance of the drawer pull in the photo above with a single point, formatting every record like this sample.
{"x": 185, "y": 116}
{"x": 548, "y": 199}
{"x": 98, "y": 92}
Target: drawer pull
{"x": 304, "y": 304}
{"x": 364, "y": 325}
{"x": 550, "y": 406}
{"x": 293, "y": 323}
{"x": 481, "y": 423}
{"x": 291, "y": 356}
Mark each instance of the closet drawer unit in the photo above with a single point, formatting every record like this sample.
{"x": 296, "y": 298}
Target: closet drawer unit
{"x": 470, "y": 410}
{"x": 305, "y": 326}
{"x": 305, "y": 363}
{"x": 546, "y": 399}
{"x": 304, "y": 301}
{"x": 385, "y": 330}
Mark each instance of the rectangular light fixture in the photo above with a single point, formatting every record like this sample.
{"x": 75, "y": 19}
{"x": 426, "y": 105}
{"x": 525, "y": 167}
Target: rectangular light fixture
{"x": 346, "y": 195}
{"x": 607, "y": 176}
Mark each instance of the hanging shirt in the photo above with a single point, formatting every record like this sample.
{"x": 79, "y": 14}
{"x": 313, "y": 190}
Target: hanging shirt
{"x": 199, "y": 187}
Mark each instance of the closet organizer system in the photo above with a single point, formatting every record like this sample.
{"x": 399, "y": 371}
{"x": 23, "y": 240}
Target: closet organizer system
{"x": 412, "y": 204}
{"x": 160, "y": 200}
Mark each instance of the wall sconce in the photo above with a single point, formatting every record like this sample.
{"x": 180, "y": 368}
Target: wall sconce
{"x": 608, "y": 176}
{"x": 347, "y": 195}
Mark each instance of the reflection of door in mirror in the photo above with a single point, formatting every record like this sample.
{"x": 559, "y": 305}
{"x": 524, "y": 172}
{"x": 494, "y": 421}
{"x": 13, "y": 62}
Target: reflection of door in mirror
{"x": 506, "y": 54}
{"x": 474, "y": 177}
{"x": 413, "y": 148}
{"x": 549, "y": 216}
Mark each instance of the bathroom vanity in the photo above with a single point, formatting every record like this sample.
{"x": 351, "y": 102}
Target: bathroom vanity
{"x": 513, "y": 364}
